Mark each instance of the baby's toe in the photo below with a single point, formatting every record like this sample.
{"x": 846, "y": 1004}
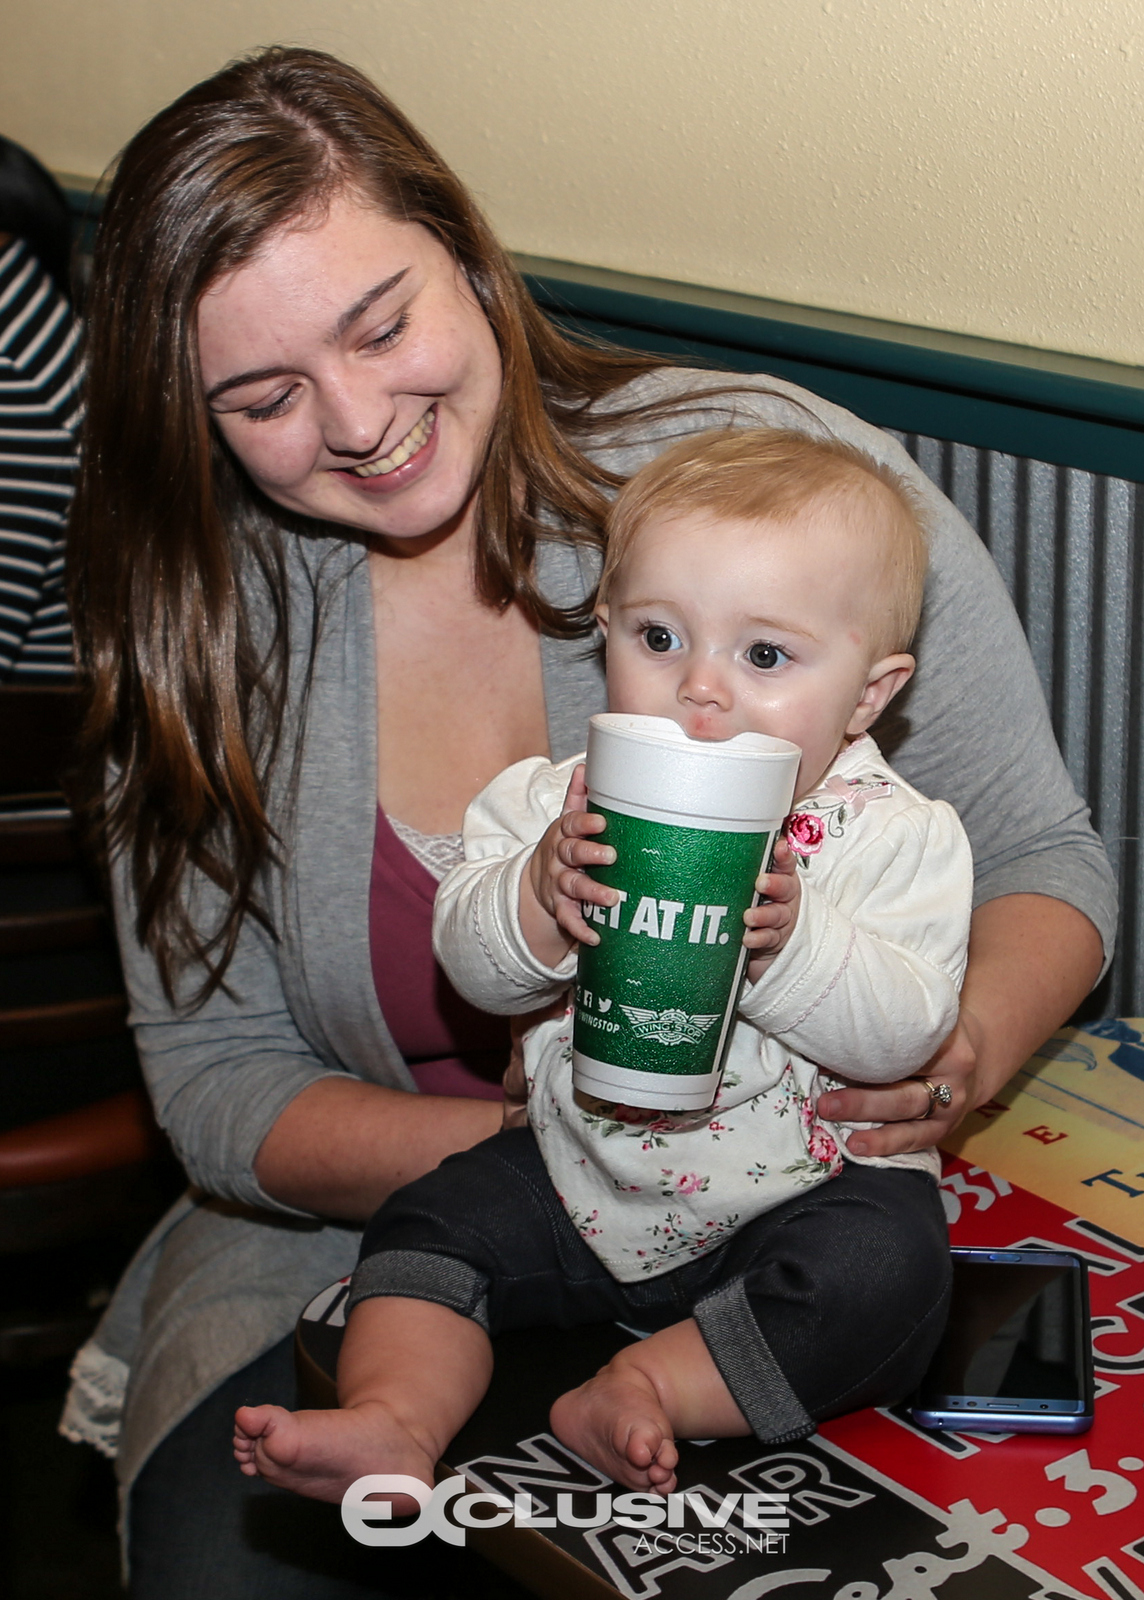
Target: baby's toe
{"x": 251, "y": 1421}
{"x": 635, "y": 1445}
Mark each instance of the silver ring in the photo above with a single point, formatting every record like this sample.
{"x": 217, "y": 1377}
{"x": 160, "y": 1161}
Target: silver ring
{"x": 940, "y": 1094}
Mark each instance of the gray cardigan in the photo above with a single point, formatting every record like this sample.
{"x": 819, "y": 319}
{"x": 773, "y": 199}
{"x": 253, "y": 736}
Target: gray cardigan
{"x": 221, "y": 1279}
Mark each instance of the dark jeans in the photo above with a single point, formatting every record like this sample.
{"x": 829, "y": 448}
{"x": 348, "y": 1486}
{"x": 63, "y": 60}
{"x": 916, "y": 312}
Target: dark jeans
{"x": 202, "y": 1531}
{"x": 832, "y": 1301}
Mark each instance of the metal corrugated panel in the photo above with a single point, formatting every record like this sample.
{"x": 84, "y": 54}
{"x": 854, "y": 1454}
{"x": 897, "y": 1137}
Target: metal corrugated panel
{"x": 1070, "y": 548}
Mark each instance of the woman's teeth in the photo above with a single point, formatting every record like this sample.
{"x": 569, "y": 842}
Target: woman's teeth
{"x": 401, "y": 453}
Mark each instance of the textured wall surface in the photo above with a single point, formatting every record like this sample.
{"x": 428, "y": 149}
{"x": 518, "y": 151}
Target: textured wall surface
{"x": 963, "y": 164}
{"x": 1070, "y": 547}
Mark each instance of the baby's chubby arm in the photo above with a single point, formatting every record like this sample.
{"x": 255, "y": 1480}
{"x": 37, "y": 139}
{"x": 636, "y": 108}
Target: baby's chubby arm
{"x": 871, "y": 989}
{"x": 554, "y": 887}
{"x": 477, "y": 933}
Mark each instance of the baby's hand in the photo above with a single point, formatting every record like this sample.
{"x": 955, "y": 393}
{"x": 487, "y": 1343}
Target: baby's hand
{"x": 558, "y": 885}
{"x": 771, "y": 924}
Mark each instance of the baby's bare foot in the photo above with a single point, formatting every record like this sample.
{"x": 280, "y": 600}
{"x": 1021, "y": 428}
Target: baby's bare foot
{"x": 616, "y": 1422}
{"x": 320, "y": 1453}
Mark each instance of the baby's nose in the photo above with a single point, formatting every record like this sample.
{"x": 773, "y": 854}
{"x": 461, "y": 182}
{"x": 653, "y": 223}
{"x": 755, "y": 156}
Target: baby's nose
{"x": 705, "y": 685}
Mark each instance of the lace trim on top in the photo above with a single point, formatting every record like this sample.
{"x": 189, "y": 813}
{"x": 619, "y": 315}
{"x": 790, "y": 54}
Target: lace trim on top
{"x": 436, "y": 852}
{"x": 95, "y": 1400}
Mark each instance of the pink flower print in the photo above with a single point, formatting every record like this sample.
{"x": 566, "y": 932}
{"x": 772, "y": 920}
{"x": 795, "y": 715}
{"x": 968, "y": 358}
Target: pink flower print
{"x": 806, "y": 1112}
{"x": 629, "y": 1114}
{"x": 583, "y": 1225}
{"x": 689, "y": 1183}
{"x": 717, "y": 1127}
{"x": 822, "y": 1147}
{"x": 805, "y": 833}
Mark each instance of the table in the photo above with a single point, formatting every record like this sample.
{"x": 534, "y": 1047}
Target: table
{"x": 876, "y": 1509}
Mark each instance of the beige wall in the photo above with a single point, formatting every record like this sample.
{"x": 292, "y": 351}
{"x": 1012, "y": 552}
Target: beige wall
{"x": 972, "y": 165}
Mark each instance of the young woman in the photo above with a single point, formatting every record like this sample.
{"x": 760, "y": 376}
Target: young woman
{"x": 334, "y": 551}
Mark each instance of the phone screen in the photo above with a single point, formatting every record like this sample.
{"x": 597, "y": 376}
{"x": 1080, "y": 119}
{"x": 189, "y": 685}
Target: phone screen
{"x": 1016, "y": 1338}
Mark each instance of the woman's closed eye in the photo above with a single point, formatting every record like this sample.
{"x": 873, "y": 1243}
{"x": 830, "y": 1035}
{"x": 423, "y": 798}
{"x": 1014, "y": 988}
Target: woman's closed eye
{"x": 660, "y": 639}
{"x": 766, "y": 656}
{"x": 382, "y": 341}
{"x": 275, "y": 408}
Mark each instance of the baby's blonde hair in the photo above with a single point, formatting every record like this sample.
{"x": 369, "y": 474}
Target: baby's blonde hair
{"x": 771, "y": 475}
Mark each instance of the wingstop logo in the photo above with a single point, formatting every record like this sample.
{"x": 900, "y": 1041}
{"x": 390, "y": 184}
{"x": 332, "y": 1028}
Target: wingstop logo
{"x": 452, "y": 1508}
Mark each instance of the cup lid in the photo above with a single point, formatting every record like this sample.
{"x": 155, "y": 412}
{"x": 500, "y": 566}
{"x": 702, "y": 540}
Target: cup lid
{"x": 650, "y": 764}
{"x": 662, "y": 730}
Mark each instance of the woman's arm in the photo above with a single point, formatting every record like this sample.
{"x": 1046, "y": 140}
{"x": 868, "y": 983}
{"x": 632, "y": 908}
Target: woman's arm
{"x": 255, "y": 1114}
{"x": 1032, "y": 960}
{"x": 341, "y": 1146}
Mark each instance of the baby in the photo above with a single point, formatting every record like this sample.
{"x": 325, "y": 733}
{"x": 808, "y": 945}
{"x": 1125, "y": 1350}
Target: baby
{"x": 754, "y": 581}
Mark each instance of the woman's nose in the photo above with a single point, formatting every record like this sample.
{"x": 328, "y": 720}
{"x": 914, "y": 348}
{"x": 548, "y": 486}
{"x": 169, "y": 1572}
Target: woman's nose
{"x": 354, "y": 418}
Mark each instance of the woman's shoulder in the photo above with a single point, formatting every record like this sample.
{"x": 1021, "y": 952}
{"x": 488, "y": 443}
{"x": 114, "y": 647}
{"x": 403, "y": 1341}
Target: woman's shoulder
{"x": 670, "y": 403}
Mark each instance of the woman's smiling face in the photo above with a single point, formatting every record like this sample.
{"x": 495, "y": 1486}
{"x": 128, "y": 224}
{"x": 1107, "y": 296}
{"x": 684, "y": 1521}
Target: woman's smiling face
{"x": 353, "y": 373}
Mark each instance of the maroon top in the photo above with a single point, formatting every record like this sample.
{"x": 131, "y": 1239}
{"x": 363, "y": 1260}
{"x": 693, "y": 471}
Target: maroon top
{"x": 449, "y": 1046}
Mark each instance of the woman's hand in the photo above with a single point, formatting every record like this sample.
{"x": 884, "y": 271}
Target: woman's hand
{"x": 554, "y": 889}
{"x": 902, "y": 1106}
{"x": 515, "y": 1082}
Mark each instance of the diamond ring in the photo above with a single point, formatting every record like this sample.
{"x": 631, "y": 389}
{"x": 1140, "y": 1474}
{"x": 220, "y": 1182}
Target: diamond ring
{"x": 940, "y": 1094}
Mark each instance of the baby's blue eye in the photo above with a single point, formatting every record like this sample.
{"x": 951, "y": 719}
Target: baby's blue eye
{"x": 766, "y": 656}
{"x": 660, "y": 639}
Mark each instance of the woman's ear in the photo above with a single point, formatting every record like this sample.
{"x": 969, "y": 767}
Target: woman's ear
{"x": 884, "y": 680}
{"x": 601, "y": 616}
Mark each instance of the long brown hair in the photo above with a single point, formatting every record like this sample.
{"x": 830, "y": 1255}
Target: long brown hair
{"x": 169, "y": 540}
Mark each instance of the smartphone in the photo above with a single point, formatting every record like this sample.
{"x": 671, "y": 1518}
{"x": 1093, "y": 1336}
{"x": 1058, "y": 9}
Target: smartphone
{"x": 1016, "y": 1355}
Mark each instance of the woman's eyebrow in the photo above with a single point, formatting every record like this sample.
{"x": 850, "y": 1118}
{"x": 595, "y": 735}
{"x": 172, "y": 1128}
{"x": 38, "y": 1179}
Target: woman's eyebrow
{"x": 379, "y": 290}
{"x": 346, "y": 320}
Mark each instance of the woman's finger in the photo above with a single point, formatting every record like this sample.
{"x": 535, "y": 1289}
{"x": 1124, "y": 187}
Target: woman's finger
{"x": 903, "y": 1108}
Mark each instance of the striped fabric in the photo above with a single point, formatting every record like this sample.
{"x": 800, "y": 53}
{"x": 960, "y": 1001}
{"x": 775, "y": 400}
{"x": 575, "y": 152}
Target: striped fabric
{"x": 39, "y": 417}
{"x": 1070, "y": 547}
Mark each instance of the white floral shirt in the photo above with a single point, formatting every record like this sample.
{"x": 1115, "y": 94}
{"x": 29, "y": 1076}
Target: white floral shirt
{"x": 867, "y": 986}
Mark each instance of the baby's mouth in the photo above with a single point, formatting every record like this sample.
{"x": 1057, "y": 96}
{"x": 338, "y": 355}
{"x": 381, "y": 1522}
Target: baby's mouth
{"x": 419, "y": 435}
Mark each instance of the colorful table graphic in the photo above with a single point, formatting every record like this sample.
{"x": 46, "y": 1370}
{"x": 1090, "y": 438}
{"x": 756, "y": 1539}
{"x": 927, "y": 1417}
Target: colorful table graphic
{"x": 1070, "y": 1125}
{"x": 876, "y": 1509}
{"x": 1072, "y": 1507}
